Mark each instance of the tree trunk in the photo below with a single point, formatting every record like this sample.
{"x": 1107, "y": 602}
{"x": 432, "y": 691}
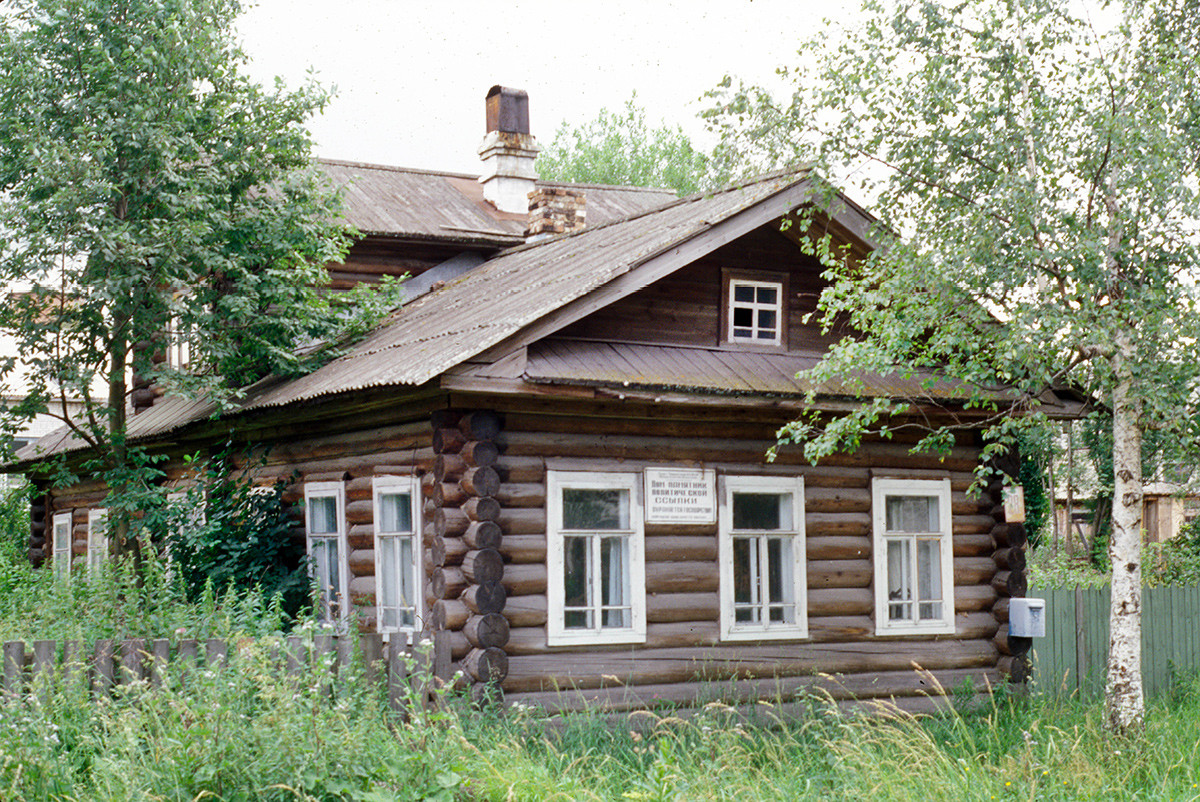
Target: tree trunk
{"x": 118, "y": 520}
{"x": 1124, "y": 703}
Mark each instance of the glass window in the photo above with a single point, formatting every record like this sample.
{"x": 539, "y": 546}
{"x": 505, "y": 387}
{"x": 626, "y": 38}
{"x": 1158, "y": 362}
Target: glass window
{"x": 755, "y": 312}
{"x": 97, "y": 538}
{"x": 914, "y": 558}
{"x": 62, "y": 544}
{"x": 594, "y": 558}
{"x": 763, "y": 581}
{"x": 324, "y": 517}
{"x": 398, "y": 577}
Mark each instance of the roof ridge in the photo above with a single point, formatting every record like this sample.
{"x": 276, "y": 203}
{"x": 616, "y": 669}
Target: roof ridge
{"x": 394, "y": 168}
{"x": 800, "y": 173}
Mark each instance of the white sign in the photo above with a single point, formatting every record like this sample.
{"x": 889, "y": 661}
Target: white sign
{"x": 679, "y": 496}
{"x": 1014, "y": 504}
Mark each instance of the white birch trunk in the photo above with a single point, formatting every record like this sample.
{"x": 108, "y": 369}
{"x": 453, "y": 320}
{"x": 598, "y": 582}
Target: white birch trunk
{"x": 1124, "y": 703}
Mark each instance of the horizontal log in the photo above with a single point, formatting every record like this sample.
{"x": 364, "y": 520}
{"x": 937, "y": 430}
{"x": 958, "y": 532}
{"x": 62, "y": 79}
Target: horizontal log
{"x": 837, "y": 547}
{"x": 973, "y": 570}
{"x": 680, "y": 634}
{"x": 484, "y": 535}
{"x": 972, "y": 524}
{"x": 447, "y": 550}
{"x": 481, "y": 566}
{"x": 1010, "y": 583}
{"x": 362, "y": 590}
{"x": 664, "y": 608}
{"x": 840, "y": 574}
{"x": 360, "y": 512}
{"x": 480, "y": 453}
{"x": 448, "y": 521}
{"x": 1016, "y": 669}
{"x": 486, "y": 665}
{"x": 362, "y": 562}
{"x": 450, "y": 614}
{"x": 1000, "y": 609}
{"x": 973, "y": 598}
{"x": 480, "y": 425}
{"x": 1010, "y": 559}
{"x": 448, "y": 441}
{"x": 448, "y": 494}
{"x": 523, "y": 494}
{"x": 522, "y": 521}
{"x": 481, "y": 509}
{"x": 524, "y": 580}
{"x": 398, "y": 470}
{"x": 459, "y": 645}
{"x": 840, "y": 601}
{"x": 836, "y": 499}
{"x": 490, "y": 629}
{"x": 680, "y": 577}
{"x": 325, "y": 476}
{"x": 911, "y": 685}
{"x": 739, "y": 661}
{"x": 520, "y": 469}
{"x": 448, "y": 467}
{"x": 525, "y": 611}
{"x": 447, "y": 583}
{"x": 524, "y": 548}
{"x": 823, "y": 524}
{"x": 672, "y": 548}
{"x": 483, "y": 599}
{"x": 973, "y": 545}
{"x": 480, "y": 482}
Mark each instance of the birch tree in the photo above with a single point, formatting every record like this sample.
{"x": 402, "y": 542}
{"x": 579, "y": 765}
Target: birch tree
{"x": 151, "y": 198}
{"x": 1038, "y": 161}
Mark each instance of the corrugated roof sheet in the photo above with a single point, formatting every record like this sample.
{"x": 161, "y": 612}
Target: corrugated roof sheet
{"x": 400, "y": 202}
{"x": 481, "y": 308}
{"x": 724, "y": 371}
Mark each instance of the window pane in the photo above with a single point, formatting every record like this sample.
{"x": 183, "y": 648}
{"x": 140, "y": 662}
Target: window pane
{"x": 929, "y": 577}
{"x": 395, "y": 512}
{"x": 779, "y": 574}
{"x": 912, "y": 514}
{"x": 767, "y": 295}
{"x": 575, "y": 572}
{"x": 743, "y": 293}
{"x": 62, "y": 537}
{"x": 614, "y": 580}
{"x": 595, "y": 510}
{"x": 389, "y": 583}
{"x": 899, "y": 579}
{"x": 322, "y": 515}
{"x": 745, "y": 570}
{"x": 766, "y": 319}
{"x": 771, "y": 511}
{"x": 743, "y": 316}
{"x": 578, "y": 619}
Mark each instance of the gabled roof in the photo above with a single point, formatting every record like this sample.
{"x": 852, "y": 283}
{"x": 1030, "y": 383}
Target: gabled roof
{"x": 426, "y": 205}
{"x": 520, "y": 296}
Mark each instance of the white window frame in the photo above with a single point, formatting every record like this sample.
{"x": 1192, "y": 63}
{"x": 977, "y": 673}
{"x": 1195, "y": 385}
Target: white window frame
{"x": 731, "y": 629}
{"x": 755, "y": 307}
{"x": 61, "y": 555}
{"x": 381, "y": 486}
{"x": 557, "y": 634}
{"x": 337, "y": 491}
{"x": 97, "y": 538}
{"x": 881, "y": 489}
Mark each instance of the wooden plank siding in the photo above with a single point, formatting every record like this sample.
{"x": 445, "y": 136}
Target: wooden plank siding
{"x": 685, "y": 307}
{"x": 683, "y": 650}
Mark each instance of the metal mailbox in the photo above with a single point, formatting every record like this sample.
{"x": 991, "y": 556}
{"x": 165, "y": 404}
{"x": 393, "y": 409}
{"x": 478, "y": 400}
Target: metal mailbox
{"x": 1027, "y": 618}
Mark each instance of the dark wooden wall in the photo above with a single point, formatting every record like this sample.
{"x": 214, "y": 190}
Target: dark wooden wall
{"x": 685, "y": 307}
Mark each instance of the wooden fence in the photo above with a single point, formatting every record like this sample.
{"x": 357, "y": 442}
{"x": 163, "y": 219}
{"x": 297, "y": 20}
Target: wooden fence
{"x": 1073, "y": 655}
{"x": 407, "y": 671}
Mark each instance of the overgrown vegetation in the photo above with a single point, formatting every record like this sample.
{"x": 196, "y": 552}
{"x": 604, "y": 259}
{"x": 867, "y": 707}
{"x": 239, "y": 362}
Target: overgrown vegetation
{"x": 250, "y": 732}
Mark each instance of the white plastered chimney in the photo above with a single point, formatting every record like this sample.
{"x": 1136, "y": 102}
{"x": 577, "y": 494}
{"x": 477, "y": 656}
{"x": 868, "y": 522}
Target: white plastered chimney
{"x": 508, "y": 151}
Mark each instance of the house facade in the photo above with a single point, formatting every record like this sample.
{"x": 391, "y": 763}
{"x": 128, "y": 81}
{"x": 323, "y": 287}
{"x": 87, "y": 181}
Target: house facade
{"x": 555, "y": 452}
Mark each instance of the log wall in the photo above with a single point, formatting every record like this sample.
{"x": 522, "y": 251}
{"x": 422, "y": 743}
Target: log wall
{"x": 683, "y": 653}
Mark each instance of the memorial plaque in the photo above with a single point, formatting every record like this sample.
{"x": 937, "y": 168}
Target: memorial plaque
{"x": 680, "y": 496}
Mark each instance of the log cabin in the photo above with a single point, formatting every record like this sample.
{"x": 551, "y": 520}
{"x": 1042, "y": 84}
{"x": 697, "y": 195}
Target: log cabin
{"x": 555, "y": 451}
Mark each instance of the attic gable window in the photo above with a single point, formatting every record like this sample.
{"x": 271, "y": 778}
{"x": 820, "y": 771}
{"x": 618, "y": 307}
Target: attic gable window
{"x": 755, "y": 310}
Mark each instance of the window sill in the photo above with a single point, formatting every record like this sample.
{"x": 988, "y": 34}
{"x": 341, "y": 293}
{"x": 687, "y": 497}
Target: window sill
{"x": 775, "y": 633}
{"x": 932, "y": 628}
{"x": 593, "y": 638}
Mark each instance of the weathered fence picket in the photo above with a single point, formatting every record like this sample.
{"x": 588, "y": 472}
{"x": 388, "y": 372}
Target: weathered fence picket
{"x": 113, "y": 663}
{"x": 1071, "y": 659}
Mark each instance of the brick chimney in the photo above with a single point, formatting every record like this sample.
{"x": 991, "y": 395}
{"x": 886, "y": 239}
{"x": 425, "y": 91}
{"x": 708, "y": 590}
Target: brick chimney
{"x": 508, "y": 151}
{"x": 555, "y": 210}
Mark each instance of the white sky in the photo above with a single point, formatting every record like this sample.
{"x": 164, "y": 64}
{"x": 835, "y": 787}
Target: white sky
{"x": 411, "y": 76}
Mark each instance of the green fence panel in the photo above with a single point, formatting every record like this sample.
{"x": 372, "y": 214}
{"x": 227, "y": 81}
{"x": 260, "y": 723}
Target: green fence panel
{"x": 1073, "y": 656}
